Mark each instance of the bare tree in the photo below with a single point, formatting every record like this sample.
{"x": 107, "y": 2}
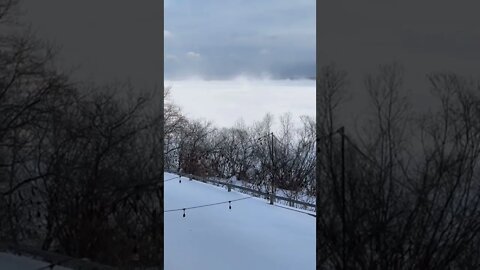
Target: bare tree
{"x": 399, "y": 210}
{"x": 331, "y": 91}
{"x": 80, "y": 169}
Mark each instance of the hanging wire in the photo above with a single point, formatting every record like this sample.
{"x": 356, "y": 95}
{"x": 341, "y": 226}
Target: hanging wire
{"x": 173, "y": 178}
{"x": 206, "y": 205}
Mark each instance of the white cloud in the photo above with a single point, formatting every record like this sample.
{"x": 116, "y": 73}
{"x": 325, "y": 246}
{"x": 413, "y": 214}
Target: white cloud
{"x": 193, "y": 55}
{"x": 167, "y": 34}
{"x": 264, "y": 52}
{"x": 252, "y": 31}
{"x": 171, "y": 57}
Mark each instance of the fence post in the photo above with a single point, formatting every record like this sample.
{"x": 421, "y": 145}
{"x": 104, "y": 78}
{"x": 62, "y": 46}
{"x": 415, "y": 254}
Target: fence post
{"x": 272, "y": 194}
{"x": 271, "y": 198}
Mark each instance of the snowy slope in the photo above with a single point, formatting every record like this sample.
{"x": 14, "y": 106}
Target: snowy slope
{"x": 252, "y": 235}
{"x": 14, "y": 262}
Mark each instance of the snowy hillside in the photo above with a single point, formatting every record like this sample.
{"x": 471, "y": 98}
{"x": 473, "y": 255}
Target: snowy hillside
{"x": 250, "y": 235}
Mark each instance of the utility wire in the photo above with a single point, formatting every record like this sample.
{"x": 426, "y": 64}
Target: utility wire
{"x": 372, "y": 161}
{"x": 206, "y": 205}
{"x": 327, "y": 135}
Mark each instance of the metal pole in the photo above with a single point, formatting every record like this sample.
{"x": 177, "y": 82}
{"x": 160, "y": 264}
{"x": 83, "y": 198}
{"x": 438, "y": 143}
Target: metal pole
{"x": 272, "y": 196}
{"x": 342, "y": 133}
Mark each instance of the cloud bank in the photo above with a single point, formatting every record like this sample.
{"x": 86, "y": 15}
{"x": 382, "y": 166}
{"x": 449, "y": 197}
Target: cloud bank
{"x": 275, "y": 37}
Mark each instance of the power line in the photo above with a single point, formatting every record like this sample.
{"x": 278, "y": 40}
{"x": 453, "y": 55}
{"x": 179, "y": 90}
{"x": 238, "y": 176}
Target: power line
{"x": 372, "y": 161}
{"x": 327, "y": 135}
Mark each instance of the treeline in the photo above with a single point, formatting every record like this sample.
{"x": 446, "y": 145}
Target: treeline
{"x": 80, "y": 165}
{"x": 254, "y": 154}
{"x": 403, "y": 191}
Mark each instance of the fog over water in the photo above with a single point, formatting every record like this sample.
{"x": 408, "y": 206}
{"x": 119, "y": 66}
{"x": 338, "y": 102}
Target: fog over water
{"x": 225, "y": 101}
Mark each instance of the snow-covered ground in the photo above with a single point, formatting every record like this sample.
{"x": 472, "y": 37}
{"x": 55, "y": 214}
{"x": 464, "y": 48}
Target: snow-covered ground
{"x": 252, "y": 235}
{"x": 13, "y": 262}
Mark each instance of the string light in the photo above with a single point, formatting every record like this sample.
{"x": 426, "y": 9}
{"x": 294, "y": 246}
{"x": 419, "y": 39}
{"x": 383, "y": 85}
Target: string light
{"x": 267, "y": 196}
{"x": 207, "y": 205}
{"x": 173, "y": 178}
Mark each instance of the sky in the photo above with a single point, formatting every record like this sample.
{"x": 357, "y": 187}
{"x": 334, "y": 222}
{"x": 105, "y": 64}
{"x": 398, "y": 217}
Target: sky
{"x": 210, "y": 40}
{"x": 103, "y": 40}
{"x": 241, "y": 59}
{"x": 424, "y": 36}
{"x": 217, "y": 39}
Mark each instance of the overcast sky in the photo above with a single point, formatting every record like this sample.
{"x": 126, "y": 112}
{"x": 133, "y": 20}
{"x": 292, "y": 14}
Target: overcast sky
{"x": 108, "y": 39}
{"x": 425, "y": 36}
{"x": 221, "y": 39}
{"x": 208, "y": 39}
{"x": 240, "y": 59}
